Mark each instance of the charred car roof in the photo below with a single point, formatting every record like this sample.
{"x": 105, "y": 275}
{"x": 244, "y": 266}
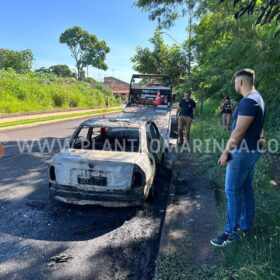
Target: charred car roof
{"x": 129, "y": 123}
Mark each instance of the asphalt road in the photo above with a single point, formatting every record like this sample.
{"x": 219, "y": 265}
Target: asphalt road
{"x": 104, "y": 243}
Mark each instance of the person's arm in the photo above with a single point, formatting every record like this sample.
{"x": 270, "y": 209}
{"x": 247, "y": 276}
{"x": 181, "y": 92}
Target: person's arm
{"x": 242, "y": 125}
{"x": 178, "y": 110}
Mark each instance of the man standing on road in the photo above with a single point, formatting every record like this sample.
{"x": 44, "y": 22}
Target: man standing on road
{"x": 186, "y": 113}
{"x": 242, "y": 152}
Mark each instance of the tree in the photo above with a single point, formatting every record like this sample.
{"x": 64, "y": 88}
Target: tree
{"x": 268, "y": 10}
{"x": 163, "y": 59}
{"x": 43, "y": 70}
{"x": 224, "y": 45}
{"x": 85, "y": 48}
{"x": 20, "y": 61}
{"x": 61, "y": 70}
{"x": 167, "y": 11}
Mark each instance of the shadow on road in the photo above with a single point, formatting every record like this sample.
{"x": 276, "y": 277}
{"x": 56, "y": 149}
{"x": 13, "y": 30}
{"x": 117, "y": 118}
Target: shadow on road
{"x": 116, "y": 241}
{"x": 28, "y": 211}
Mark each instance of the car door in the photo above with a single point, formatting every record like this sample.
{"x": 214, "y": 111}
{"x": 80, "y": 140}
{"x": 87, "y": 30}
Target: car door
{"x": 153, "y": 143}
{"x": 159, "y": 139}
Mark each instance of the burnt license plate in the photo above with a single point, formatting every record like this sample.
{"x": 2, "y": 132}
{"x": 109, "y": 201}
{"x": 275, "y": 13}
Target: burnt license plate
{"x": 93, "y": 180}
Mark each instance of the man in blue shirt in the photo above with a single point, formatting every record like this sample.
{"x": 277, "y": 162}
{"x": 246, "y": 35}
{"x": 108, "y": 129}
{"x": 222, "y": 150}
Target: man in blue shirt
{"x": 242, "y": 152}
{"x": 186, "y": 112}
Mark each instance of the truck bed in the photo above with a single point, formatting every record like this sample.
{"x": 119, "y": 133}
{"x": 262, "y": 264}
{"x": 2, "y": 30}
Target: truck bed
{"x": 161, "y": 115}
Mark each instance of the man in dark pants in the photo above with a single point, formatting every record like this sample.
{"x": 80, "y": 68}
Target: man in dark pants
{"x": 186, "y": 113}
{"x": 242, "y": 152}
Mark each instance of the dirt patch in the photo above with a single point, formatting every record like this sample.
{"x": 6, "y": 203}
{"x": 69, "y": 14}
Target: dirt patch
{"x": 191, "y": 221}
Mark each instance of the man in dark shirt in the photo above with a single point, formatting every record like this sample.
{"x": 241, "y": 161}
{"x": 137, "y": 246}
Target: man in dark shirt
{"x": 226, "y": 110}
{"x": 242, "y": 152}
{"x": 186, "y": 113}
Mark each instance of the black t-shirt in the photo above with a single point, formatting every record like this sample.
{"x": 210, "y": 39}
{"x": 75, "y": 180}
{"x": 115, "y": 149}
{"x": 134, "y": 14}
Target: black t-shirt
{"x": 187, "y": 107}
{"x": 226, "y": 108}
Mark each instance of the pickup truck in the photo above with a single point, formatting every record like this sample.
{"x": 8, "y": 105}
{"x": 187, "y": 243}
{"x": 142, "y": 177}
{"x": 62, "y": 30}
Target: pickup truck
{"x": 144, "y": 89}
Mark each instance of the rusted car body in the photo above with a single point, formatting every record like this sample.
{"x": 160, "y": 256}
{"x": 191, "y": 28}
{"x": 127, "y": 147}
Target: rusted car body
{"x": 109, "y": 162}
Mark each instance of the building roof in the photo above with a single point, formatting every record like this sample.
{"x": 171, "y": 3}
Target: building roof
{"x": 114, "y": 80}
{"x": 117, "y": 86}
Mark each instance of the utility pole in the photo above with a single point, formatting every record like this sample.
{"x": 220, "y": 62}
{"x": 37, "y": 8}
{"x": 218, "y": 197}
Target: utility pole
{"x": 190, "y": 14}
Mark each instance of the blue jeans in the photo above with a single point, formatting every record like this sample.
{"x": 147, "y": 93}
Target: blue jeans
{"x": 239, "y": 191}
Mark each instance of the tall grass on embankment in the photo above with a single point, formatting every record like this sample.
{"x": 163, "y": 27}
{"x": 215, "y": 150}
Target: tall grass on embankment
{"x": 38, "y": 91}
{"x": 256, "y": 256}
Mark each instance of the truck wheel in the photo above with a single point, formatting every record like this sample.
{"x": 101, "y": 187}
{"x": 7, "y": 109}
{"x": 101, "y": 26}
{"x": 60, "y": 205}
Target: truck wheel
{"x": 174, "y": 128}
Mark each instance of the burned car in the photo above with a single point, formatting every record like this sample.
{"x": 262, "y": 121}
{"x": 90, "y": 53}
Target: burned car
{"x": 109, "y": 162}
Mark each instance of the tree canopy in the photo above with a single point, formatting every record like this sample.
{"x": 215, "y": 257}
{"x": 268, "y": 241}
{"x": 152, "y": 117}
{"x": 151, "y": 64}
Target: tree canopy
{"x": 222, "y": 45}
{"x": 268, "y": 10}
{"x": 85, "y": 48}
{"x": 169, "y": 10}
{"x": 166, "y": 10}
{"x": 162, "y": 59}
{"x": 20, "y": 61}
{"x": 60, "y": 70}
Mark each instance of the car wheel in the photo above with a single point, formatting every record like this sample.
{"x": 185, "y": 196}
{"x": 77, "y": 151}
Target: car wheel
{"x": 162, "y": 166}
{"x": 151, "y": 194}
{"x": 162, "y": 160}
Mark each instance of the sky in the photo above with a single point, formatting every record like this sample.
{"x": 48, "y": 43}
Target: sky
{"x": 37, "y": 25}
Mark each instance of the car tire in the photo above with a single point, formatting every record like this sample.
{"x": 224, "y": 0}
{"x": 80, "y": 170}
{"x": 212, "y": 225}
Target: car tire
{"x": 151, "y": 194}
{"x": 162, "y": 167}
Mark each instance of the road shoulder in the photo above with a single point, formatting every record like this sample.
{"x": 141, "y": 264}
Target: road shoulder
{"x": 35, "y": 120}
{"x": 191, "y": 219}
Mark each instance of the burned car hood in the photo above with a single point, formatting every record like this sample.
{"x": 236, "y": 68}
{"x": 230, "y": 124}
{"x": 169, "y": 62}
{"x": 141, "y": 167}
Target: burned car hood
{"x": 112, "y": 156}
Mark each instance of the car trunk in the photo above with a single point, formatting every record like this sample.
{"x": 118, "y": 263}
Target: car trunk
{"x": 95, "y": 170}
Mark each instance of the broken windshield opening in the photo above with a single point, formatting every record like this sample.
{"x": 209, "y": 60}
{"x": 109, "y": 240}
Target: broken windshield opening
{"x": 118, "y": 139}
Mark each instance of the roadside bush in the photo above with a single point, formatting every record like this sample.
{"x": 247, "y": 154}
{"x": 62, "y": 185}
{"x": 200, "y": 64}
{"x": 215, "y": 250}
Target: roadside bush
{"x": 44, "y": 91}
{"x": 58, "y": 99}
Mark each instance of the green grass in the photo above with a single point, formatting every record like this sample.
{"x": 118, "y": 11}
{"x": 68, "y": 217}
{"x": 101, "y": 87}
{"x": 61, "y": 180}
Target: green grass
{"x": 36, "y": 91}
{"x": 50, "y": 118}
{"x": 177, "y": 267}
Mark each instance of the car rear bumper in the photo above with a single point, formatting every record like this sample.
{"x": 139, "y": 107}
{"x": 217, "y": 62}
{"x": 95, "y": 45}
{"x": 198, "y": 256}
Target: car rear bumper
{"x": 110, "y": 198}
